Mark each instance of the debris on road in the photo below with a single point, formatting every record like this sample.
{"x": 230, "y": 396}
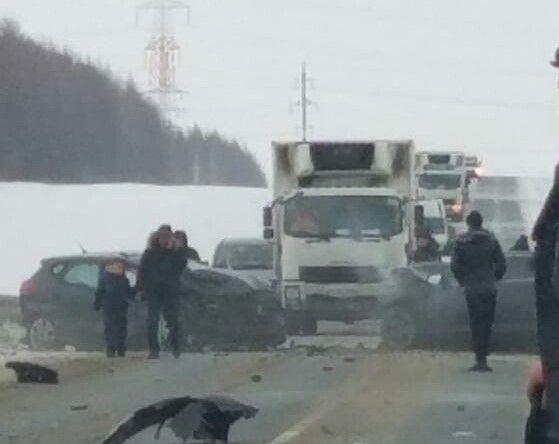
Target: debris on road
{"x": 327, "y": 368}
{"x": 187, "y": 417}
{"x": 27, "y": 372}
{"x": 349, "y": 359}
{"x": 256, "y": 378}
{"x": 78, "y": 406}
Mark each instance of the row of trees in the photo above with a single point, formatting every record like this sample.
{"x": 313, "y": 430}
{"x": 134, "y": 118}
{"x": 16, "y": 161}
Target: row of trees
{"x": 64, "y": 120}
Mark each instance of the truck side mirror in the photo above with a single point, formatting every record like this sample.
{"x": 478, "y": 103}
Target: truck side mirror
{"x": 419, "y": 217}
{"x": 268, "y": 233}
{"x": 267, "y": 217}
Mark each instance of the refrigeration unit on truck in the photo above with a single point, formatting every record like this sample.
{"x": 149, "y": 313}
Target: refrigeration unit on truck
{"x": 442, "y": 175}
{"x": 342, "y": 218}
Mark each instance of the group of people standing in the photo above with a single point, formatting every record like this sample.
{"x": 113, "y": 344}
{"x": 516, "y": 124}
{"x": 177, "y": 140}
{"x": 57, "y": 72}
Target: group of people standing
{"x": 158, "y": 283}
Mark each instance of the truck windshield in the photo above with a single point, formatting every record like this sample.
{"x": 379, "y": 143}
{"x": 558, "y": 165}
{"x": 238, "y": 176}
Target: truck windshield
{"x": 343, "y": 216}
{"x": 440, "y": 181}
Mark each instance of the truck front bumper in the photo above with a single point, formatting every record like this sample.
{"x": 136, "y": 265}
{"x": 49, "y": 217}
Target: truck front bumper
{"x": 343, "y": 302}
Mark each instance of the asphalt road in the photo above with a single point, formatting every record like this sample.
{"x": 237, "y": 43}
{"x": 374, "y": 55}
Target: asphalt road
{"x": 333, "y": 388}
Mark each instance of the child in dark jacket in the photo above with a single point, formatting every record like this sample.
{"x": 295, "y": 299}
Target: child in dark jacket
{"x": 112, "y": 295}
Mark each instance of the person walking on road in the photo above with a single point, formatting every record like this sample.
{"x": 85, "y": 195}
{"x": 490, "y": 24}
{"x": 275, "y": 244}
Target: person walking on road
{"x": 112, "y": 295}
{"x": 478, "y": 263}
{"x": 546, "y": 261}
{"x": 159, "y": 275}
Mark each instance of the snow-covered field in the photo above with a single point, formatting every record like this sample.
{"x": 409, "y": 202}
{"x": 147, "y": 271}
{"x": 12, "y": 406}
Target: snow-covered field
{"x": 40, "y": 220}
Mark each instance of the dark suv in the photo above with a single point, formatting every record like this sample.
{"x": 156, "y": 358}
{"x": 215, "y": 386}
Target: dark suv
{"x": 57, "y": 306}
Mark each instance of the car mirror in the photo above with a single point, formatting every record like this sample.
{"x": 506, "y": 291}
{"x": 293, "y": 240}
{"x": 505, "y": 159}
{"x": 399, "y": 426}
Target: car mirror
{"x": 435, "y": 279}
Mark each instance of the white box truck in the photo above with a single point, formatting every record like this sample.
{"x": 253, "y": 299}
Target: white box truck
{"x": 342, "y": 218}
{"x": 443, "y": 175}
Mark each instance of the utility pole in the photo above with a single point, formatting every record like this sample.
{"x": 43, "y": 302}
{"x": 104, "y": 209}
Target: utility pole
{"x": 304, "y": 101}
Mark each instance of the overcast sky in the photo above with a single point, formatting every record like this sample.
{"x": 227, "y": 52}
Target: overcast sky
{"x": 469, "y": 74}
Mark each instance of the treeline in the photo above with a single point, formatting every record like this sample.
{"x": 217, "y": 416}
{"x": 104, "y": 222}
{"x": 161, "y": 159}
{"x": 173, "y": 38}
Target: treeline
{"x": 64, "y": 120}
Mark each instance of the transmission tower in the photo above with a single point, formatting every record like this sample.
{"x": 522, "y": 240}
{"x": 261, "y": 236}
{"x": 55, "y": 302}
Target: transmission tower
{"x": 163, "y": 54}
{"x": 304, "y": 102}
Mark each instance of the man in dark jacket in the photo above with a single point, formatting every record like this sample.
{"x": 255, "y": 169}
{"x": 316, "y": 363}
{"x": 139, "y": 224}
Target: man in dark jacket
{"x": 478, "y": 263}
{"x": 159, "y": 276}
{"x": 546, "y": 260}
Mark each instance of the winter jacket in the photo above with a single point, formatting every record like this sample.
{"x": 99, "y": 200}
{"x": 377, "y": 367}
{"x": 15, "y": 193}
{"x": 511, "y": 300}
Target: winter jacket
{"x": 478, "y": 261}
{"x": 113, "y": 291}
{"x": 161, "y": 268}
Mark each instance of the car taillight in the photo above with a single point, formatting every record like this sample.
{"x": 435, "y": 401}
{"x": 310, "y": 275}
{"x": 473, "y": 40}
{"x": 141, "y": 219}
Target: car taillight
{"x": 27, "y": 287}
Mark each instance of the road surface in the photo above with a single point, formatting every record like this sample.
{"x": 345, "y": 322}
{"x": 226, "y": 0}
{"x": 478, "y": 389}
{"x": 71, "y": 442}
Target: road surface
{"x": 347, "y": 393}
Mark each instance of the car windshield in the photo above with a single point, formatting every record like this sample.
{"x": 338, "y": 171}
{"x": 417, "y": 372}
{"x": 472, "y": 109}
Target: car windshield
{"x": 245, "y": 257}
{"x": 343, "y": 216}
{"x": 440, "y": 181}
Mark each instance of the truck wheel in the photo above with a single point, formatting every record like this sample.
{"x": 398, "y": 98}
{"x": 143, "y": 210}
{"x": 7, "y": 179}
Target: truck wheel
{"x": 293, "y": 323}
{"x": 309, "y": 324}
{"x": 399, "y": 329}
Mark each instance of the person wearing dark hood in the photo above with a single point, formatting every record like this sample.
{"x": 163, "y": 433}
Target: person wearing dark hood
{"x": 546, "y": 261}
{"x": 478, "y": 263}
{"x": 428, "y": 249}
{"x": 159, "y": 275}
{"x": 182, "y": 239}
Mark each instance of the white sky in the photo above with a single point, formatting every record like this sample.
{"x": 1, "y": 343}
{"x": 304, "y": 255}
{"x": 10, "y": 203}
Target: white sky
{"x": 466, "y": 74}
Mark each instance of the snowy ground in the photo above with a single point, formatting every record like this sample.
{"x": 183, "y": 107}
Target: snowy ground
{"x": 47, "y": 220}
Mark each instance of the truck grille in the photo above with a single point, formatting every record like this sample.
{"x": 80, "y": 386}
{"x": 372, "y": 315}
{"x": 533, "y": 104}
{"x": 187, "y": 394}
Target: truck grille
{"x": 339, "y": 275}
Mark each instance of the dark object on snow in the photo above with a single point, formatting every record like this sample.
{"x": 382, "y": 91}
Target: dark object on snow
{"x": 256, "y": 378}
{"x": 187, "y": 417}
{"x": 27, "y": 372}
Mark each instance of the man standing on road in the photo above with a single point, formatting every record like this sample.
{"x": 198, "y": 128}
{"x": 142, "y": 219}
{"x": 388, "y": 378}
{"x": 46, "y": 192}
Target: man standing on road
{"x": 159, "y": 274}
{"x": 546, "y": 260}
{"x": 478, "y": 263}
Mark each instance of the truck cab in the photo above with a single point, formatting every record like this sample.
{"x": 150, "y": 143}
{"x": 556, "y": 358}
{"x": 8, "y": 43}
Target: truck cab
{"x": 442, "y": 175}
{"x": 341, "y": 220}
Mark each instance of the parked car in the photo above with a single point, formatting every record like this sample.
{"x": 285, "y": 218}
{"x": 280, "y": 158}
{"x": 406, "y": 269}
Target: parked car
{"x": 247, "y": 258}
{"x": 217, "y": 309}
{"x": 432, "y": 310}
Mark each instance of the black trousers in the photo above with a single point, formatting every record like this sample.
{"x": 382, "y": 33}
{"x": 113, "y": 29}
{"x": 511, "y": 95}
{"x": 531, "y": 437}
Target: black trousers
{"x": 116, "y": 327}
{"x": 481, "y": 310}
{"x": 163, "y": 301}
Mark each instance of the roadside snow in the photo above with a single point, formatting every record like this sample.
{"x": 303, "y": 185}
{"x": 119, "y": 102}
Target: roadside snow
{"x": 41, "y": 220}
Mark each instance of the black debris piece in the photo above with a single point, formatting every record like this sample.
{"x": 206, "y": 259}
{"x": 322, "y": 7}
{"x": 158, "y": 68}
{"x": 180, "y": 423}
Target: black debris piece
{"x": 27, "y": 372}
{"x": 187, "y": 417}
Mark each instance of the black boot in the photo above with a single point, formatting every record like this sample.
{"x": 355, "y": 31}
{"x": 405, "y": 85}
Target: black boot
{"x": 121, "y": 352}
{"x": 110, "y": 352}
{"x": 481, "y": 365}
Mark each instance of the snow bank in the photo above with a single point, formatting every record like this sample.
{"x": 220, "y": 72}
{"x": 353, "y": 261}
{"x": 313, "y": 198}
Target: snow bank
{"x": 40, "y": 220}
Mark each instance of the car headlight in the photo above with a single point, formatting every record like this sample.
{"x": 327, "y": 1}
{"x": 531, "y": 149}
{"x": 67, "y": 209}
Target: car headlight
{"x": 292, "y": 296}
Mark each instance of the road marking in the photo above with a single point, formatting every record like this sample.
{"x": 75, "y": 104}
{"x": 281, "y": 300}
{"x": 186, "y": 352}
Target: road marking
{"x": 348, "y": 389}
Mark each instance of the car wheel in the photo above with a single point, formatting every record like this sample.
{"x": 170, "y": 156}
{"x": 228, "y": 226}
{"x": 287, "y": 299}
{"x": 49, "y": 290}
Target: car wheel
{"x": 41, "y": 334}
{"x": 309, "y": 324}
{"x": 399, "y": 329}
